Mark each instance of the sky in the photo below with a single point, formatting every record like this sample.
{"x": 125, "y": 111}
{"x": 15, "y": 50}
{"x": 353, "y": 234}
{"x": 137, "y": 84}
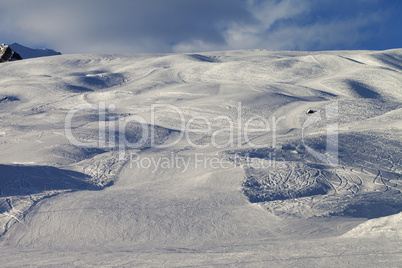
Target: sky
{"x": 165, "y": 26}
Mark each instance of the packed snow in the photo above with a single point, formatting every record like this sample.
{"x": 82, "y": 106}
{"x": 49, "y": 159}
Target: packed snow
{"x": 385, "y": 227}
{"x": 204, "y": 159}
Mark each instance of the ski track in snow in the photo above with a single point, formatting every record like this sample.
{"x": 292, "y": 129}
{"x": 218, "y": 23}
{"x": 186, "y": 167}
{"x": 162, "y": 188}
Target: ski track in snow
{"x": 60, "y": 199}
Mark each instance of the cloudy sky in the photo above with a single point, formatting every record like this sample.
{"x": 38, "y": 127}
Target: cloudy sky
{"x": 131, "y": 26}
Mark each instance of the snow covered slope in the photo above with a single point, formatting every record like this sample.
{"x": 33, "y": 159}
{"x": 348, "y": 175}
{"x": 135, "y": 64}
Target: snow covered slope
{"x": 27, "y": 53}
{"x": 385, "y": 227}
{"x": 201, "y": 159}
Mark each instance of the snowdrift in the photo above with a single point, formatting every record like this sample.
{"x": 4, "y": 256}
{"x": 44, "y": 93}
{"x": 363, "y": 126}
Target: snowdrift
{"x": 389, "y": 227}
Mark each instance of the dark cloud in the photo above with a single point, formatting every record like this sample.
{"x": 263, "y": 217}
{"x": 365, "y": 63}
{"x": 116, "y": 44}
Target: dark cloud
{"x": 123, "y": 25}
{"x": 127, "y": 26}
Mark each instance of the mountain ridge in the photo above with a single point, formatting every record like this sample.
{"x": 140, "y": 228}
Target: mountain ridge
{"x": 28, "y": 53}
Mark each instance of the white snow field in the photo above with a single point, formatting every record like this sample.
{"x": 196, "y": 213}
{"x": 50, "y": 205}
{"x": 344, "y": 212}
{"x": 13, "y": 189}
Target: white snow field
{"x": 182, "y": 160}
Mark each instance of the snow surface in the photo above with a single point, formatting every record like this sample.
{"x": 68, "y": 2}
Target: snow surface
{"x": 66, "y": 205}
{"x": 385, "y": 227}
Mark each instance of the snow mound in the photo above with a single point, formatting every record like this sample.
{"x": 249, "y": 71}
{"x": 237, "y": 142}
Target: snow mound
{"x": 27, "y": 53}
{"x": 385, "y": 227}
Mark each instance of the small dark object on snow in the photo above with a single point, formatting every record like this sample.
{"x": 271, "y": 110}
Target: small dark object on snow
{"x": 6, "y": 98}
{"x": 309, "y": 111}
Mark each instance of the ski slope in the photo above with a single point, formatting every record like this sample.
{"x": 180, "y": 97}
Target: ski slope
{"x": 202, "y": 190}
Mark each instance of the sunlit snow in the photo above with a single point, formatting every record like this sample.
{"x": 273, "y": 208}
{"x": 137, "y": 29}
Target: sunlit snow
{"x": 202, "y": 159}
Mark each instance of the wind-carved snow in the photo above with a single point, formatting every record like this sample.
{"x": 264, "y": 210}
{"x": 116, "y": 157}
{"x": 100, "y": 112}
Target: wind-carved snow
{"x": 209, "y": 203}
